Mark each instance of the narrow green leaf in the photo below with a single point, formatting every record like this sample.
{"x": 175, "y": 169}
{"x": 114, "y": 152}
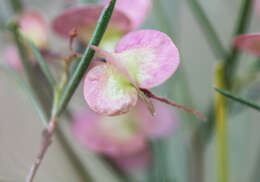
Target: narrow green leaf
{"x": 27, "y": 89}
{"x": 238, "y": 99}
{"x": 87, "y": 56}
{"x": 42, "y": 63}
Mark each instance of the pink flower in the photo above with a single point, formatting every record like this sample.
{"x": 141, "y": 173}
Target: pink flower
{"x": 142, "y": 59}
{"x": 248, "y": 43}
{"x": 33, "y": 26}
{"x": 12, "y": 57}
{"x": 124, "y": 138}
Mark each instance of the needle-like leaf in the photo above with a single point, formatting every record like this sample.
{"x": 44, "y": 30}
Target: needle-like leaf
{"x": 238, "y": 99}
{"x": 87, "y": 56}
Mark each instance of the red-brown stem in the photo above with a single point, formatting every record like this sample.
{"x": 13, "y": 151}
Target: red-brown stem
{"x": 73, "y": 35}
{"x": 46, "y": 141}
{"x": 166, "y": 101}
{"x": 73, "y": 54}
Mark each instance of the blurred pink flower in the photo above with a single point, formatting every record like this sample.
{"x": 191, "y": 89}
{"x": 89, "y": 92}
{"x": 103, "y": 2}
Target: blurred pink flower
{"x": 113, "y": 136}
{"x": 33, "y": 27}
{"x": 257, "y": 6}
{"x": 124, "y": 138}
{"x": 136, "y": 10}
{"x": 12, "y": 57}
{"x": 248, "y": 43}
{"x": 84, "y": 18}
{"x": 142, "y": 59}
{"x": 133, "y": 162}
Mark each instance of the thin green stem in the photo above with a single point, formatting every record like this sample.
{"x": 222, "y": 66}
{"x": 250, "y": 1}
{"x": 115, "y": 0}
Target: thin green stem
{"x": 242, "y": 25}
{"x": 42, "y": 63}
{"x": 208, "y": 29}
{"x": 238, "y": 99}
{"x": 87, "y": 56}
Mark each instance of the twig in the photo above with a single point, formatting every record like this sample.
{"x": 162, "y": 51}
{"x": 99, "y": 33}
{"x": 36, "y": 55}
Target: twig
{"x": 46, "y": 141}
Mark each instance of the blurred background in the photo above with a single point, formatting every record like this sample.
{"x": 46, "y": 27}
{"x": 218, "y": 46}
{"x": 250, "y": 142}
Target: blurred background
{"x": 20, "y": 127}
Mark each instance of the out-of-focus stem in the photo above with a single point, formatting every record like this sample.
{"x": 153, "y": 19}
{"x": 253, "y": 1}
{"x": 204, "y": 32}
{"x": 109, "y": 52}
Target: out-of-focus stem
{"x": 16, "y": 5}
{"x": 28, "y": 90}
{"x": 242, "y": 24}
{"x": 195, "y": 173}
{"x": 208, "y": 29}
{"x": 74, "y": 159}
{"x": 28, "y": 70}
{"x": 158, "y": 168}
{"x": 221, "y": 129}
{"x": 162, "y": 19}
